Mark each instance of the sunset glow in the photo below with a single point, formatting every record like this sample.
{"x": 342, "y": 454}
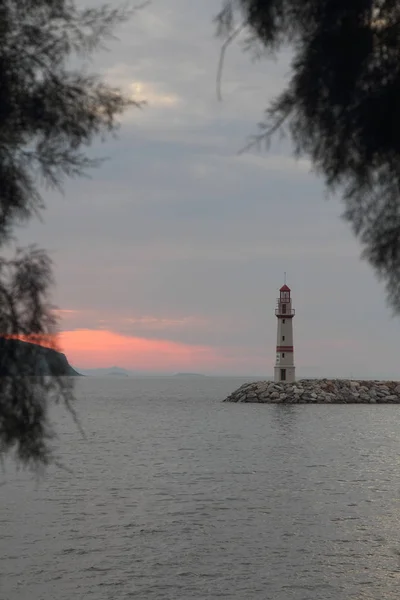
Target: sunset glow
{"x": 46, "y": 340}
{"x": 87, "y": 348}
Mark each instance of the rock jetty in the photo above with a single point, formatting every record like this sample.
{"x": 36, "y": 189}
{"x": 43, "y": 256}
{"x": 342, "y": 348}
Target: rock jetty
{"x": 319, "y": 391}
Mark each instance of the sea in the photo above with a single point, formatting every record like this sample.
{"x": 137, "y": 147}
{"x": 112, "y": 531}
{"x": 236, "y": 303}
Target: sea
{"x": 171, "y": 494}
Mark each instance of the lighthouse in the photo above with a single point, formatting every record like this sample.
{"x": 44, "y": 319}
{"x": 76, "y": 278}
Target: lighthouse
{"x": 284, "y": 364}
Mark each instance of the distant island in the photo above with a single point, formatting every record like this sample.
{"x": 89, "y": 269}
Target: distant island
{"x": 120, "y": 372}
{"x": 32, "y": 360}
{"x": 189, "y": 375}
{"x": 117, "y": 374}
{"x": 106, "y": 372}
{"x": 115, "y": 371}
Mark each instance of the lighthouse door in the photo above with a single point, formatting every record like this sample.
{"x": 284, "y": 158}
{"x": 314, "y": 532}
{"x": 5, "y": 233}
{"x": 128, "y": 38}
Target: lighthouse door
{"x": 283, "y": 374}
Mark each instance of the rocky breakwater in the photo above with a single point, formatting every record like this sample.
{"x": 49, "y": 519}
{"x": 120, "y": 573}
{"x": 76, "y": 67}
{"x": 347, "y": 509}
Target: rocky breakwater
{"x": 319, "y": 391}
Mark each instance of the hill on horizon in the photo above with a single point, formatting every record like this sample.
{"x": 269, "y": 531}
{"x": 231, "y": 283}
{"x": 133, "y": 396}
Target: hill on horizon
{"x": 121, "y": 372}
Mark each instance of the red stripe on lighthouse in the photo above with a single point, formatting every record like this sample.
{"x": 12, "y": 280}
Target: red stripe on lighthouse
{"x": 284, "y": 348}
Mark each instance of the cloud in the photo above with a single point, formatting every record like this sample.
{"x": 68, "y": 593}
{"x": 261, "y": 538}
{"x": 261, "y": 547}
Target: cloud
{"x": 66, "y": 312}
{"x": 169, "y": 50}
{"x": 159, "y": 324}
{"x": 155, "y": 97}
{"x": 278, "y": 163}
{"x": 148, "y": 92}
{"x": 127, "y": 323}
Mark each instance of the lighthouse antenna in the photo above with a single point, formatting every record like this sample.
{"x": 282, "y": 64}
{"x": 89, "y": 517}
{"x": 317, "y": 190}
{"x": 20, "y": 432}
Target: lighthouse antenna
{"x": 284, "y": 278}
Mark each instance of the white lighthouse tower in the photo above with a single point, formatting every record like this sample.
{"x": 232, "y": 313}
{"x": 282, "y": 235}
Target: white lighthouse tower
{"x": 284, "y": 365}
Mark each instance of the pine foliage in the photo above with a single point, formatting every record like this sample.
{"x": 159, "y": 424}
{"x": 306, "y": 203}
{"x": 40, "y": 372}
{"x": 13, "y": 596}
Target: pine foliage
{"x": 340, "y": 106}
{"x": 51, "y": 110}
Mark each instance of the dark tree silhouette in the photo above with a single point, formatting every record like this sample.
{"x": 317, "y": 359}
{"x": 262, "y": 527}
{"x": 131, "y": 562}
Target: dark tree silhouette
{"x": 50, "y": 112}
{"x": 25, "y": 384}
{"x": 340, "y": 106}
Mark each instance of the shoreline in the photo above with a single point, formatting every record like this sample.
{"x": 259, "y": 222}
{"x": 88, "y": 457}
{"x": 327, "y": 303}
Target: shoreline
{"x": 318, "y": 391}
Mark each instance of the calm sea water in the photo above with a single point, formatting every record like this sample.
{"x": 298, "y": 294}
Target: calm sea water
{"x": 175, "y": 495}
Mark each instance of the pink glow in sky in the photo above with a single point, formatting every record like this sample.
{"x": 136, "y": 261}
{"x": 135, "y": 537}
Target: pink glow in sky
{"x": 101, "y": 348}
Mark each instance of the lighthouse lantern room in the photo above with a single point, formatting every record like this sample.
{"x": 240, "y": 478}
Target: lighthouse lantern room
{"x": 284, "y": 364}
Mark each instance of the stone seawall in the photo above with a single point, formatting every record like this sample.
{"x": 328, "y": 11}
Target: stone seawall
{"x": 319, "y": 391}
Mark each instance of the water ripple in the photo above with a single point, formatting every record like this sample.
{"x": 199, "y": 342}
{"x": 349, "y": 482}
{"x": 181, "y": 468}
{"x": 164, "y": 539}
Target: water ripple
{"x": 177, "y": 496}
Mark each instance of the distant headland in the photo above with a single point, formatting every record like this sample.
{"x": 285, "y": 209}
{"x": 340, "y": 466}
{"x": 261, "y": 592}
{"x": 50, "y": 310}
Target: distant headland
{"x": 318, "y": 391}
{"x": 32, "y": 360}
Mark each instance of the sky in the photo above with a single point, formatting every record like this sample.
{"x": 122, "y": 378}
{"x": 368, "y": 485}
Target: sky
{"x": 170, "y": 256}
